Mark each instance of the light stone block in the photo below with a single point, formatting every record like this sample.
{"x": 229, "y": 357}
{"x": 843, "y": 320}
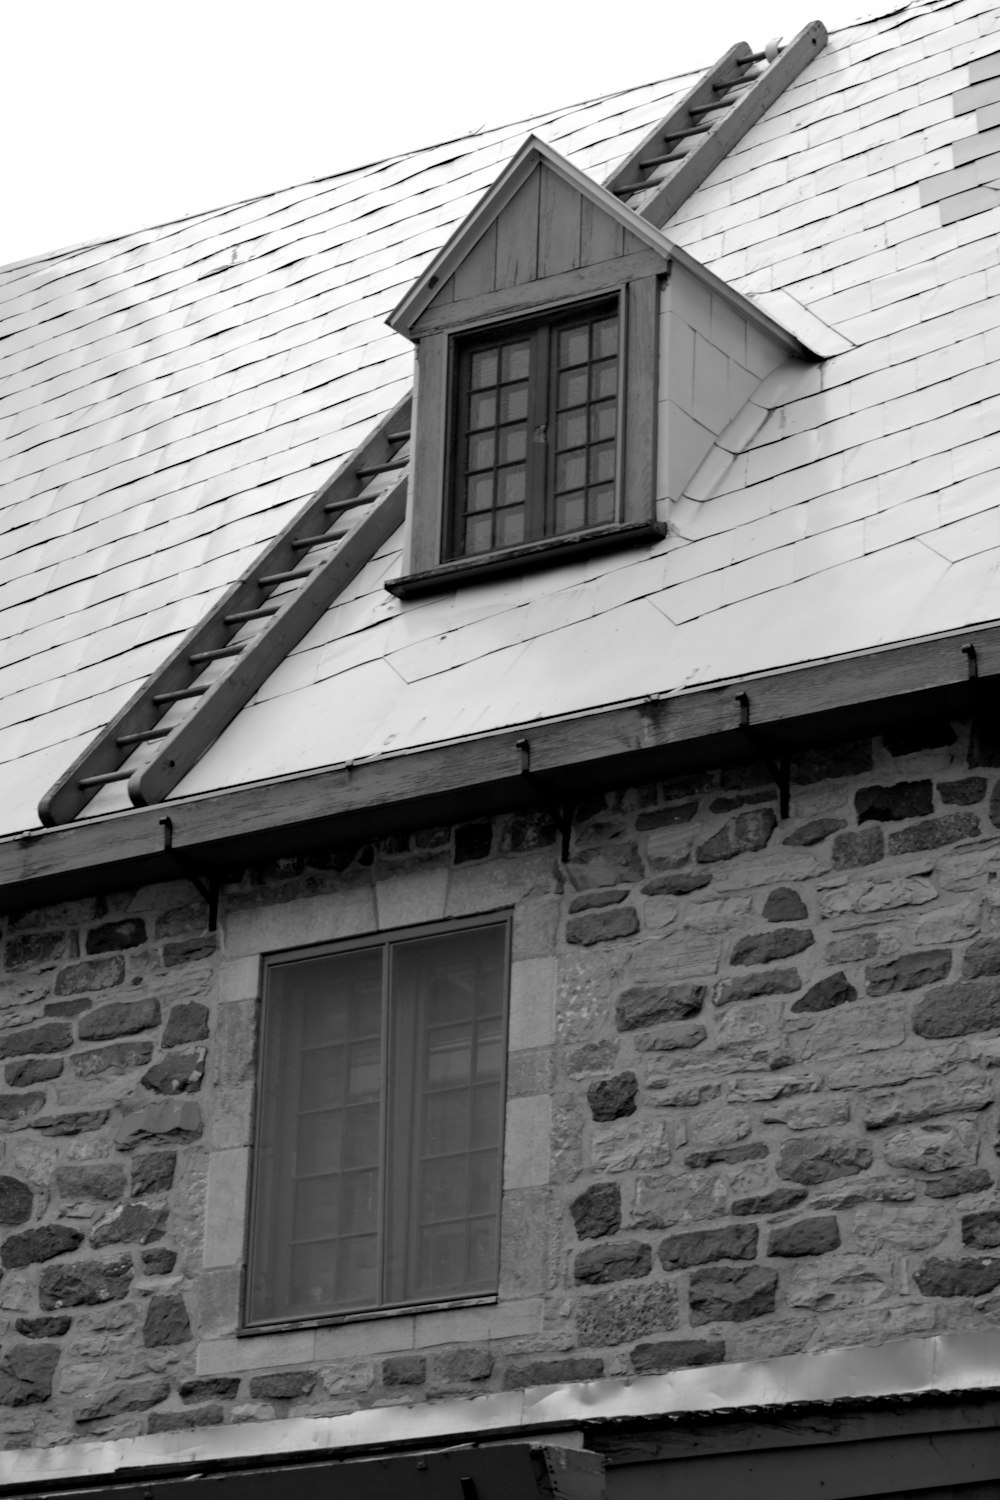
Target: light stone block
{"x": 405, "y": 900}
{"x": 231, "y": 1117}
{"x": 526, "y": 1144}
{"x": 233, "y": 1356}
{"x": 320, "y": 919}
{"x": 532, "y": 1003}
{"x": 389, "y": 1335}
{"x": 225, "y": 1207}
{"x": 239, "y": 978}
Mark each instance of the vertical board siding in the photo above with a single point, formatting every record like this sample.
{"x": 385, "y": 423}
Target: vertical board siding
{"x": 600, "y": 237}
{"x": 517, "y": 236}
{"x": 477, "y": 273}
{"x": 558, "y": 225}
{"x": 640, "y": 385}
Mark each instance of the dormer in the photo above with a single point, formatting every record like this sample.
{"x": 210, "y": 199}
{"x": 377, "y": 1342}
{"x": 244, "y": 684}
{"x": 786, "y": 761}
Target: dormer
{"x": 536, "y": 337}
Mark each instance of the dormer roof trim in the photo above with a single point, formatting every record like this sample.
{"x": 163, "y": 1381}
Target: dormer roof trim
{"x": 533, "y": 152}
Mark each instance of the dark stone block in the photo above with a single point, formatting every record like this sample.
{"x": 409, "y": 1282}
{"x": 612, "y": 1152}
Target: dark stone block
{"x": 84, "y": 1283}
{"x": 676, "y": 1354}
{"x": 26, "y": 1372}
{"x": 159, "y": 1262}
{"x": 120, "y": 1018}
{"x": 135, "y": 1395}
{"x": 754, "y": 986}
{"x": 17, "y": 1107}
{"x": 926, "y": 734}
{"x": 775, "y": 1202}
{"x": 16, "y": 1201}
{"x": 117, "y": 1057}
{"x": 981, "y": 958}
{"x": 186, "y": 1023}
{"x": 750, "y": 1151}
{"x": 957, "y": 1182}
{"x": 33, "y": 950}
{"x": 588, "y": 900}
{"x": 186, "y": 1421}
{"x": 462, "y": 1366}
{"x": 745, "y": 799}
{"x": 189, "y": 950}
{"x": 167, "y": 1322}
{"x": 552, "y": 1372}
{"x": 891, "y": 804}
{"x": 666, "y": 817}
{"x": 768, "y": 947}
{"x": 731, "y": 1242}
{"x": 44, "y": 1036}
{"x": 731, "y": 1294}
{"x": 77, "y": 1122}
{"x": 128, "y": 932}
{"x": 835, "y": 989}
{"x": 286, "y": 1385}
{"x": 963, "y": 793}
{"x": 958, "y": 1278}
{"x": 36, "y": 1245}
{"x": 626, "y": 1313}
{"x": 681, "y": 884}
{"x": 597, "y": 1211}
{"x": 934, "y": 833}
{"x": 807, "y": 1237}
{"x": 829, "y": 762}
{"x": 43, "y": 1328}
{"x": 648, "y": 1004}
{"x": 911, "y": 971}
{"x": 32, "y": 1070}
{"x": 958, "y": 1009}
{"x": 404, "y": 1369}
{"x": 784, "y": 905}
{"x": 179, "y": 1073}
{"x": 153, "y": 1173}
{"x": 613, "y": 1098}
{"x": 91, "y": 974}
{"x": 821, "y": 1159}
{"x": 210, "y": 1388}
{"x": 744, "y": 834}
{"x": 602, "y": 926}
{"x": 184, "y": 920}
{"x": 676, "y": 1038}
{"x": 177, "y": 1120}
{"x": 526, "y": 831}
{"x": 130, "y": 1224}
{"x": 74, "y": 1007}
{"x": 982, "y": 1230}
{"x": 851, "y": 850}
{"x": 473, "y": 841}
{"x": 814, "y": 832}
{"x": 623, "y": 1262}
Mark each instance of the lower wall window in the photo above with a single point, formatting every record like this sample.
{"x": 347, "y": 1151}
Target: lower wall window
{"x": 378, "y": 1148}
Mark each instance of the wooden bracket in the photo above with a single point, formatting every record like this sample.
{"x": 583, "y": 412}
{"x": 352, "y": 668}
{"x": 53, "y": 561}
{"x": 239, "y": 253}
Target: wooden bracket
{"x": 778, "y": 762}
{"x": 208, "y": 889}
{"x": 559, "y": 808}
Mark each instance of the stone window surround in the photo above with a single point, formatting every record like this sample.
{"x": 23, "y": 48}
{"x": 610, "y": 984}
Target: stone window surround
{"x": 393, "y": 902}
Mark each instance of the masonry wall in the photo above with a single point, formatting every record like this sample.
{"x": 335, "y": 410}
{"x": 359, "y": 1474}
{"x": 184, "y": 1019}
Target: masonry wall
{"x": 752, "y": 1099}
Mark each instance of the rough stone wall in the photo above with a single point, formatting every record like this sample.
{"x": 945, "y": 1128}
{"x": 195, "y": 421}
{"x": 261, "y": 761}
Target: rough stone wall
{"x": 751, "y": 1099}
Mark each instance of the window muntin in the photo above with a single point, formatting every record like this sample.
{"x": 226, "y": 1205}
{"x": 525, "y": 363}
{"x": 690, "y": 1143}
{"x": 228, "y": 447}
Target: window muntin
{"x": 379, "y": 1142}
{"x": 536, "y": 432}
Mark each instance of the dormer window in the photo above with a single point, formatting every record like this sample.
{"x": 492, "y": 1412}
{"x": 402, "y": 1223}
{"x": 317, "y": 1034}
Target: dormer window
{"x": 536, "y": 422}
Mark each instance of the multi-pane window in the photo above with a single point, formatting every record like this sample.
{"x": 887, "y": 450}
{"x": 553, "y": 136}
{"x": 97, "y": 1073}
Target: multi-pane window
{"x": 379, "y": 1133}
{"x": 536, "y": 433}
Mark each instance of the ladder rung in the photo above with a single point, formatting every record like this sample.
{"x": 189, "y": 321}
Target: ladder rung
{"x": 242, "y": 615}
{"x": 659, "y": 161}
{"x": 680, "y": 135}
{"x": 197, "y": 657}
{"x": 179, "y": 693}
{"x": 369, "y": 473}
{"x": 268, "y": 580}
{"x": 397, "y": 437}
{"x": 739, "y": 82}
{"x": 105, "y": 778}
{"x": 314, "y": 541}
{"x": 708, "y": 109}
{"x": 144, "y": 734}
{"x": 336, "y": 505}
{"x": 633, "y": 187}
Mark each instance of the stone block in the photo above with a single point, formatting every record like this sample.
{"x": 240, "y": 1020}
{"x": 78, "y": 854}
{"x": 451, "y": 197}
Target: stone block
{"x": 473, "y": 841}
{"x": 981, "y": 958}
{"x": 806, "y": 1237}
{"x": 681, "y": 884}
{"x": 34, "y": 950}
{"x": 821, "y": 1159}
{"x": 661, "y": 1201}
{"x": 404, "y": 1369}
{"x": 814, "y": 832}
{"x": 545, "y": 1372}
{"x": 744, "y": 834}
{"x": 970, "y": 1277}
{"x": 681, "y": 1037}
{"x": 129, "y": 1224}
{"x": 134, "y": 1395}
{"x": 779, "y": 1200}
{"x": 747, "y": 1151}
{"x": 36, "y": 1245}
{"x": 627, "y": 1313}
{"x": 647, "y": 1004}
{"x": 921, "y": 1101}
{"x": 110, "y": 937}
{"x": 590, "y": 900}
{"x": 16, "y": 1201}
{"x": 153, "y": 1173}
{"x": 701, "y": 1246}
{"x": 403, "y": 900}
{"x": 613, "y": 1098}
{"x": 186, "y": 1421}
{"x": 91, "y": 974}
{"x": 462, "y": 1366}
{"x": 758, "y": 985}
{"x": 968, "y": 790}
{"x": 225, "y": 1207}
{"x": 119, "y": 1018}
{"x": 283, "y": 1385}
{"x": 890, "y": 804}
{"x": 625, "y": 1261}
{"x": 187, "y": 1022}
{"x": 84, "y": 1283}
{"x": 958, "y": 1009}
{"x": 43, "y": 1328}
{"x": 532, "y": 1003}
{"x": 982, "y": 1230}
{"x": 909, "y": 971}
{"x": 176, "y": 1120}
{"x": 932, "y": 1148}
{"x": 158, "y": 1262}
{"x": 597, "y": 1211}
{"x": 210, "y": 1388}
{"x": 189, "y": 950}
{"x": 878, "y": 1227}
{"x": 117, "y": 1057}
{"x": 934, "y": 833}
{"x": 825, "y": 994}
{"x": 230, "y": 1356}
{"x": 26, "y": 1372}
{"x": 769, "y": 947}
{"x": 628, "y": 1145}
{"x": 824, "y": 763}
{"x": 167, "y": 1322}
{"x": 177, "y": 1073}
{"x": 44, "y": 1036}
{"x": 853, "y": 849}
{"x": 21, "y": 1075}
{"x": 602, "y": 926}
{"x": 956, "y": 1183}
{"x": 676, "y": 1354}
{"x": 784, "y": 905}
{"x": 731, "y": 1294}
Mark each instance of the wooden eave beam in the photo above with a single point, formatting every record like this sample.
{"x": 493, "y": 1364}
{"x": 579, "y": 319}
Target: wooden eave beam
{"x": 656, "y": 736}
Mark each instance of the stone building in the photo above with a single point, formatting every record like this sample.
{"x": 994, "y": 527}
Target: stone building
{"x": 501, "y": 925}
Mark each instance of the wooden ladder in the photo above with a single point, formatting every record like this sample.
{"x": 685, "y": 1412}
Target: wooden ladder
{"x": 167, "y": 725}
{"x": 704, "y": 126}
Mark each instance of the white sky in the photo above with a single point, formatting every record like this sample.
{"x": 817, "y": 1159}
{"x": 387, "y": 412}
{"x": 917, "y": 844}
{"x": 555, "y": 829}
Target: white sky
{"x": 116, "y": 114}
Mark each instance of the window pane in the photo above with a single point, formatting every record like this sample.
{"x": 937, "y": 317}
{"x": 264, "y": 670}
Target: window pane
{"x": 482, "y": 451}
{"x": 603, "y": 421}
{"x": 602, "y": 505}
{"x": 571, "y": 429}
{"x": 513, "y": 444}
{"x": 510, "y": 528}
{"x": 571, "y": 512}
{"x": 479, "y": 492}
{"x": 510, "y": 486}
{"x": 483, "y": 369}
{"x": 605, "y": 338}
{"x": 482, "y": 410}
{"x": 513, "y": 403}
{"x": 571, "y": 469}
{"x": 478, "y": 534}
{"x": 573, "y": 346}
{"x": 515, "y": 362}
{"x": 602, "y": 463}
{"x": 604, "y": 380}
{"x": 572, "y": 388}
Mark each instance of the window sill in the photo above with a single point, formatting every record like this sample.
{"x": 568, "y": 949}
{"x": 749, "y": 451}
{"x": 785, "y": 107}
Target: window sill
{"x": 541, "y": 554}
{"x": 338, "y": 1320}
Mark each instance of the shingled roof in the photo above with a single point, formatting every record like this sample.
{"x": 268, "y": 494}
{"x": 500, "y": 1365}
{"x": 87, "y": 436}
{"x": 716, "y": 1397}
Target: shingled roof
{"x": 168, "y": 399}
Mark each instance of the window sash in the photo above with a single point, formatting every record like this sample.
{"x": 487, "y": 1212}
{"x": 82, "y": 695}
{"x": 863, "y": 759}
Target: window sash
{"x": 344, "y": 1215}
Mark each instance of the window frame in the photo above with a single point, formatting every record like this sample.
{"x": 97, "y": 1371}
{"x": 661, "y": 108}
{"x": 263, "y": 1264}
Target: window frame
{"x": 384, "y": 941}
{"x": 427, "y": 567}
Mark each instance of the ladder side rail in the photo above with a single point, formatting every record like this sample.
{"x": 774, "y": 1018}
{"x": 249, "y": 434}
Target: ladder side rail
{"x": 187, "y": 743}
{"x": 103, "y": 755}
{"x": 734, "y": 124}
